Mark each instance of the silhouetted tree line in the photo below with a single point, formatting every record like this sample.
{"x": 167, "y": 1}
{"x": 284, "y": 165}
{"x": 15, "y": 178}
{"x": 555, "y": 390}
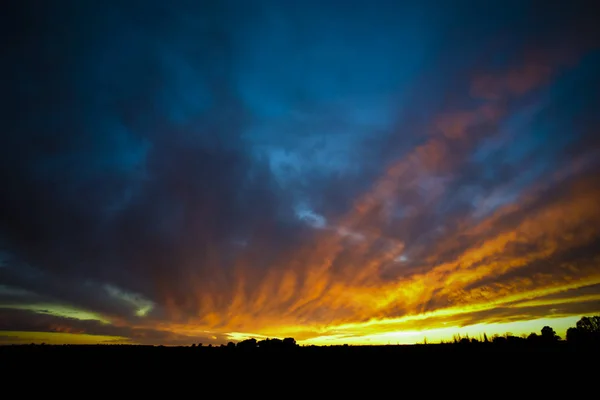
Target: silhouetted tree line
{"x": 586, "y": 332}
{"x": 547, "y": 336}
{"x": 265, "y": 344}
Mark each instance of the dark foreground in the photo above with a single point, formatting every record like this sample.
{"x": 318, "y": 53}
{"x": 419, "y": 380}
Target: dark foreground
{"x": 160, "y": 356}
{"x": 480, "y": 369}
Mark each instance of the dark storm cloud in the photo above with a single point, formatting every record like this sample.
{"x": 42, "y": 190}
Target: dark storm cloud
{"x": 28, "y": 321}
{"x": 101, "y": 181}
{"x": 123, "y": 159}
{"x": 152, "y": 151}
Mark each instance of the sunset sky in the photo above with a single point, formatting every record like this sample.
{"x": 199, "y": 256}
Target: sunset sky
{"x": 362, "y": 172}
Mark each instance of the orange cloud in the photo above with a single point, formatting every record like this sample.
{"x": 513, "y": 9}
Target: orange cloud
{"x": 349, "y": 279}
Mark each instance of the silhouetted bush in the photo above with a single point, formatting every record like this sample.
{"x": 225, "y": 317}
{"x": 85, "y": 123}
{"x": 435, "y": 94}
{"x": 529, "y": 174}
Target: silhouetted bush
{"x": 499, "y": 340}
{"x": 587, "y": 331}
{"x": 533, "y": 337}
{"x": 270, "y": 344}
{"x": 548, "y": 335}
{"x": 247, "y": 344}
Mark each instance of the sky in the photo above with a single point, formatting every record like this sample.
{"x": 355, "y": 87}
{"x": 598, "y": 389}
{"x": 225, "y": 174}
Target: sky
{"x": 363, "y": 172}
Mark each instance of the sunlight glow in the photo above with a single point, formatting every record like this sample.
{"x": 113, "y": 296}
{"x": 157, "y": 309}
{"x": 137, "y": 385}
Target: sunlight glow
{"x": 20, "y": 337}
{"x": 58, "y": 310}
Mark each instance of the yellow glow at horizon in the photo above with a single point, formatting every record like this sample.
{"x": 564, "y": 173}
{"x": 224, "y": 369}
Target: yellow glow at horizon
{"x": 26, "y": 337}
{"x": 517, "y": 328}
{"x": 238, "y": 336}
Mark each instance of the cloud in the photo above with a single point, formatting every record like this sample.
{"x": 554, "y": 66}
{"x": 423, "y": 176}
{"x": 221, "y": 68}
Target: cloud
{"x": 257, "y": 168}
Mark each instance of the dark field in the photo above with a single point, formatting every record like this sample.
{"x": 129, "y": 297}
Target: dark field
{"x": 480, "y": 369}
{"x": 146, "y": 355}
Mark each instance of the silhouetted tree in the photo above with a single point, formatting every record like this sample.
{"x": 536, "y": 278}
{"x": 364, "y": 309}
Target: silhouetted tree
{"x": 533, "y": 337}
{"x": 548, "y": 335}
{"x": 498, "y": 339}
{"x": 231, "y": 345}
{"x": 270, "y": 343}
{"x": 587, "y": 331}
{"x": 247, "y": 344}
{"x": 276, "y": 344}
{"x": 573, "y": 335}
{"x": 514, "y": 340}
{"x": 589, "y": 324}
{"x": 289, "y": 342}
